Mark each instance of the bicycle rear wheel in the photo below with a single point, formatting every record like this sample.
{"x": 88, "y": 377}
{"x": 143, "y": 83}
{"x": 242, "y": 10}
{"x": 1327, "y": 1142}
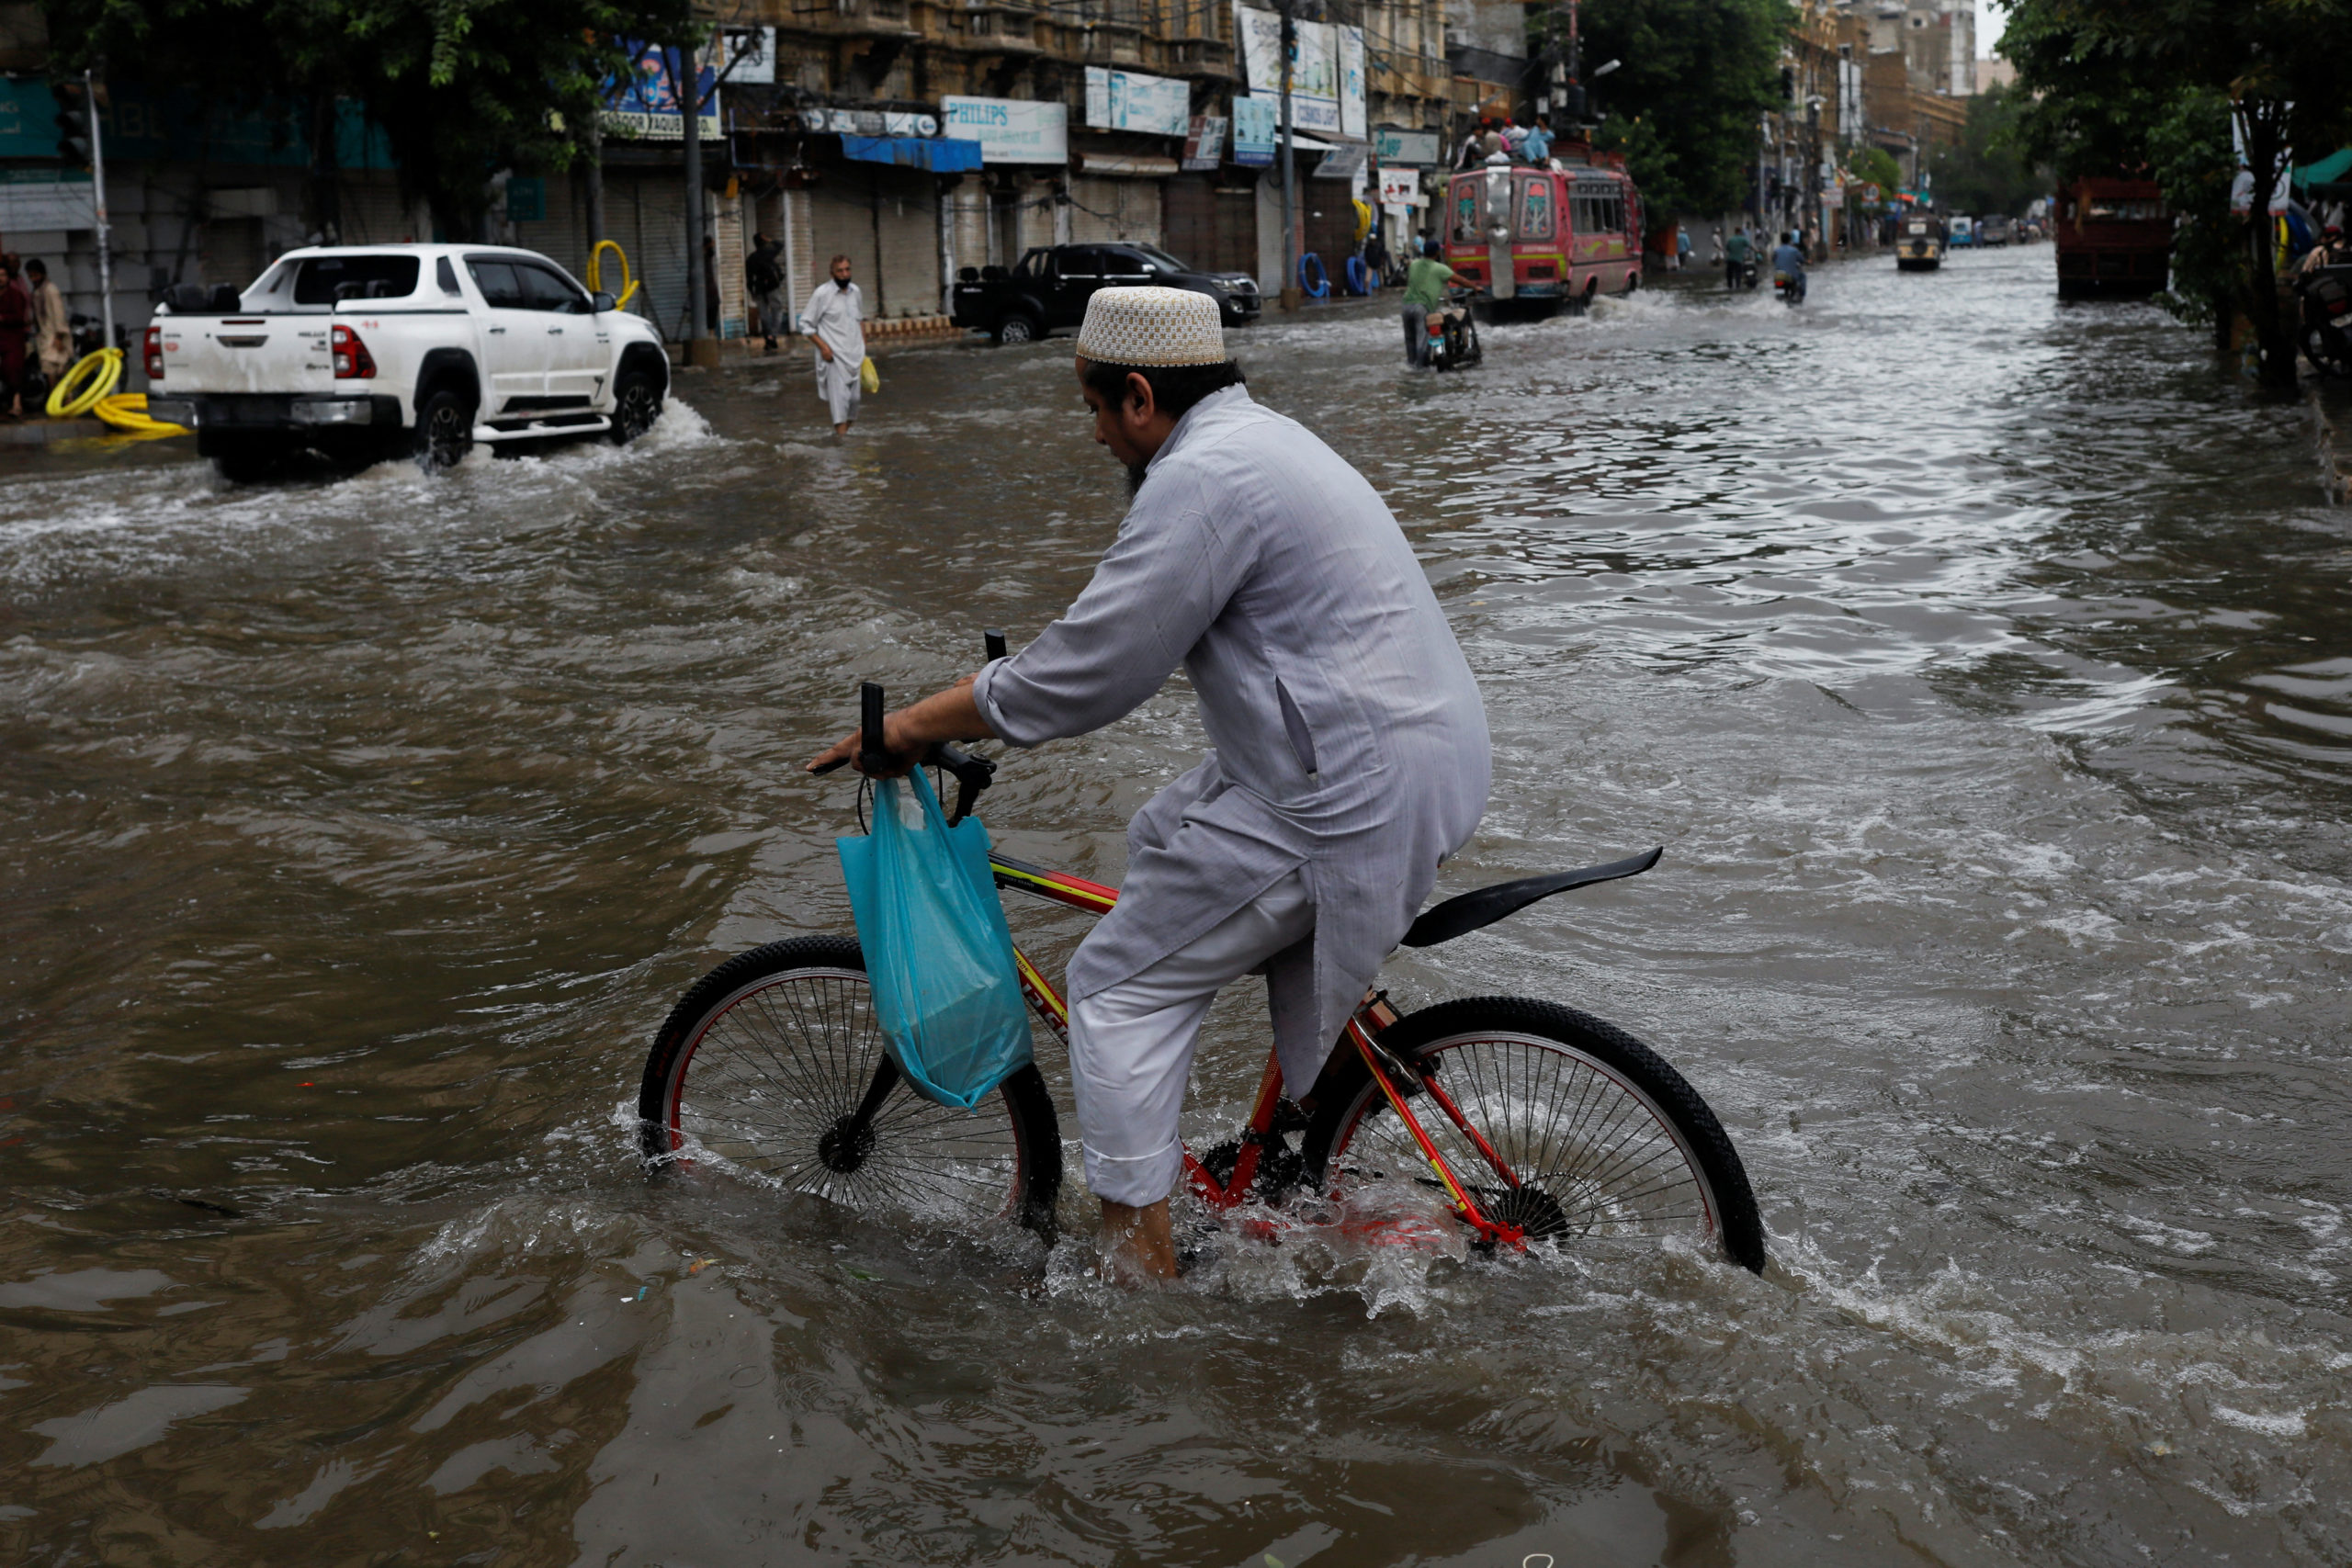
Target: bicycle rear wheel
{"x": 765, "y": 1063}
{"x": 1606, "y": 1140}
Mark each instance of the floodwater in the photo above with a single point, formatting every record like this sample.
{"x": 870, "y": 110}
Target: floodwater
{"x": 1980, "y": 663}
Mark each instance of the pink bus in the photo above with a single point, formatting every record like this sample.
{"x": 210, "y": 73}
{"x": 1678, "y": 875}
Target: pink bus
{"x": 1531, "y": 239}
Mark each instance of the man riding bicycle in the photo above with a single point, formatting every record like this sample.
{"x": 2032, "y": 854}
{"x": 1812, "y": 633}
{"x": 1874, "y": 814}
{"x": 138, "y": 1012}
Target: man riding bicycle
{"x": 1349, "y": 753}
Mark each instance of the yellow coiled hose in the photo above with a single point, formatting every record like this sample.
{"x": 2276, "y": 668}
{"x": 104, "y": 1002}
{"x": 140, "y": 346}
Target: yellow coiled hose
{"x": 104, "y": 366}
{"x": 597, "y": 272}
{"x": 127, "y": 412}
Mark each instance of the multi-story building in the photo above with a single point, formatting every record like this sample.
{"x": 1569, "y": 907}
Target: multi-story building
{"x": 1921, "y": 68}
{"x": 1095, "y": 119}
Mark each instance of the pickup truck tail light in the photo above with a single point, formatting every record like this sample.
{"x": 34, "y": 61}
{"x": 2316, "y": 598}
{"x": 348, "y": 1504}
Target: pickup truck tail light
{"x": 154, "y": 354}
{"x": 351, "y": 355}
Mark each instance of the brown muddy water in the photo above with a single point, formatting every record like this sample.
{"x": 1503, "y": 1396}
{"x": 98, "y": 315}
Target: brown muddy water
{"x": 1981, "y": 662}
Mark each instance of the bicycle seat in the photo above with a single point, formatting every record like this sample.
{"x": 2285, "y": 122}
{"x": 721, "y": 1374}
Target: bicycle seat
{"x": 1481, "y": 907}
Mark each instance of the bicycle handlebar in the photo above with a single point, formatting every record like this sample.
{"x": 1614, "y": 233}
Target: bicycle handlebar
{"x": 972, "y": 774}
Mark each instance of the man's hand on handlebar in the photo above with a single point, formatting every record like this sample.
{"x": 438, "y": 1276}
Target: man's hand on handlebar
{"x": 910, "y": 732}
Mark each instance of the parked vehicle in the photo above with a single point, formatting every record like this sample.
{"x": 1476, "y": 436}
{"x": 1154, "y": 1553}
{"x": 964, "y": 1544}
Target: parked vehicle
{"x": 359, "y": 353}
{"x": 1047, "y": 289}
{"x": 1996, "y": 231}
{"x": 2114, "y": 238}
{"x": 2326, "y": 299}
{"x": 1960, "y": 230}
{"x": 1531, "y": 240}
{"x": 1453, "y": 335}
{"x": 1919, "y": 242}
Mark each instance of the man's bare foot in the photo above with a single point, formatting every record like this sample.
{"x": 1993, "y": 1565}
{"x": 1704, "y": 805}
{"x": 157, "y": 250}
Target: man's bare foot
{"x": 1141, "y": 1247}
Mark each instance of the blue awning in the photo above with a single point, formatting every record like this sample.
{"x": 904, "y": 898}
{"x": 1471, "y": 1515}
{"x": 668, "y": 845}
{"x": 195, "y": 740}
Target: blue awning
{"x": 945, "y": 154}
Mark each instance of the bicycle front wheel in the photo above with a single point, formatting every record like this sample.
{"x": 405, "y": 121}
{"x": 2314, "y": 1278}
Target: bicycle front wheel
{"x": 769, "y": 1067}
{"x": 1599, "y": 1137}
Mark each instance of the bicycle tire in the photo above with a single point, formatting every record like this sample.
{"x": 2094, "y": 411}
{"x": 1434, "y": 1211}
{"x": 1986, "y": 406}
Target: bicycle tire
{"x": 771, "y": 1051}
{"x": 1622, "y": 1144}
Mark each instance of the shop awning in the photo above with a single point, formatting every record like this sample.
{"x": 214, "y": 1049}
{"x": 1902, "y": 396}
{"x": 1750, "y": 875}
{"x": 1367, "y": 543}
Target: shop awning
{"x": 2327, "y": 170}
{"x": 1133, "y": 165}
{"x": 943, "y": 153}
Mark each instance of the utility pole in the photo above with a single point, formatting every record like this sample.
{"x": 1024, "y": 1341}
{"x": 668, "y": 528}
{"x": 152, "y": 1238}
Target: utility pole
{"x": 700, "y": 350}
{"x": 1292, "y": 293}
{"x": 98, "y": 204}
{"x": 596, "y": 179}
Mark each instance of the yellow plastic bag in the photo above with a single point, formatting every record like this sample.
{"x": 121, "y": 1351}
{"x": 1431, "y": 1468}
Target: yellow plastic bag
{"x": 869, "y": 379}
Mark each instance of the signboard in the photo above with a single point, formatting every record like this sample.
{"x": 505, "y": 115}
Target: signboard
{"x": 526, "y": 199}
{"x": 1327, "y": 70}
{"x": 870, "y": 122}
{"x": 641, "y": 103}
{"x": 748, "y": 54}
{"x": 1401, "y": 187}
{"x": 1343, "y": 163}
{"x": 1394, "y": 147}
{"x": 1010, "y": 131}
{"x": 1205, "y": 143}
{"x": 1127, "y": 100}
{"x": 1257, "y": 122}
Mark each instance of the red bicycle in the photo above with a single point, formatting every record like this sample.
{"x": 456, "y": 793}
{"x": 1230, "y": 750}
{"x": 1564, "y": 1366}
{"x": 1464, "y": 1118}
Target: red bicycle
{"x": 1533, "y": 1122}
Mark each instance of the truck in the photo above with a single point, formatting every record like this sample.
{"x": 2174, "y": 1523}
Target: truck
{"x": 355, "y": 354}
{"x": 1047, "y": 289}
{"x": 2114, "y": 239}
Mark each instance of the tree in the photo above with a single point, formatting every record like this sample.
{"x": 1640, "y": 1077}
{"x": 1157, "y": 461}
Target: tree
{"x": 1989, "y": 171}
{"x": 1683, "y": 107}
{"x": 458, "y": 90}
{"x": 2113, "y": 75}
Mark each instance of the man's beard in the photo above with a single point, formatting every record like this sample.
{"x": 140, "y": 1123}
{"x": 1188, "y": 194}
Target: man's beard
{"x": 1136, "y": 472}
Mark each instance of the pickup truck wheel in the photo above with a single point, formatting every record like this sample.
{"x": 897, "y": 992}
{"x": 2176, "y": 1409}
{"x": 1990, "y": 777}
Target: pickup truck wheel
{"x": 246, "y": 462}
{"x": 1018, "y": 328}
{"x": 445, "y": 431}
{"x": 637, "y": 404}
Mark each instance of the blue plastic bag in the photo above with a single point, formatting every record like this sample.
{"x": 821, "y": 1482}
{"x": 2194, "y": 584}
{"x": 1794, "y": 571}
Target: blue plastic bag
{"x": 938, "y": 955}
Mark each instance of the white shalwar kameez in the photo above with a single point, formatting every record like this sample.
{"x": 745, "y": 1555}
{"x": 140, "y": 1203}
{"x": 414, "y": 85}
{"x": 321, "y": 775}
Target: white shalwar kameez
{"x": 1349, "y": 756}
{"x": 834, "y": 318}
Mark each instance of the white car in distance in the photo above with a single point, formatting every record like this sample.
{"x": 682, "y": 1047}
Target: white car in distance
{"x": 360, "y": 353}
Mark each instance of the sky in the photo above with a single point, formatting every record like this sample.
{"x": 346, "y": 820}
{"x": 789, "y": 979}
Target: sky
{"x": 1991, "y": 18}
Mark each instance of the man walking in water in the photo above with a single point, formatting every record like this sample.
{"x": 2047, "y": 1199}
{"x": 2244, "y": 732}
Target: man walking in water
{"x": 833, "y": 323}
{"x": 1349, "y": 744}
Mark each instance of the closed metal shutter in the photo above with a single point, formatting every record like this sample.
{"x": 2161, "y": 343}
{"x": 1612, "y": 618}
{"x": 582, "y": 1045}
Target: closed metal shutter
{"x": 1214, "y": 229}
{"x": 1104, "y": 208}
{"x": 1330, "y": 222}
{"x": 886, "y": 220}
{"x": 648, "y": 214}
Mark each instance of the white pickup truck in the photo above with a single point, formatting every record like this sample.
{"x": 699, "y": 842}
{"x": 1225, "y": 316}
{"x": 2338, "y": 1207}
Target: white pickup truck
{"x": 359, "y": 353}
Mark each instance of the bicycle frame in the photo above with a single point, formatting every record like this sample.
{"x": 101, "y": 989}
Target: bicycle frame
{"x": 1370, "y": 1018}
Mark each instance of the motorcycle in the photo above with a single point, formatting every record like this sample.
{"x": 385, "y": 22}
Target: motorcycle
{"x": 1453, "y": 336}
{"x": 1742, "y": 275}
{"x": 1789, "y": 286}
{"x": 2327, "y": 296}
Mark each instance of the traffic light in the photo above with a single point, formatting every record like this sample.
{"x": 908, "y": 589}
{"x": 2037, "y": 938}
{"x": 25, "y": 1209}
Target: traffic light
{"x": 73, "y": 134}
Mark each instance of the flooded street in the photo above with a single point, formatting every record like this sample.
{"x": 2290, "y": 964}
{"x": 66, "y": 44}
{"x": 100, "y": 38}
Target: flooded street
{"x": 1980, "y": 663}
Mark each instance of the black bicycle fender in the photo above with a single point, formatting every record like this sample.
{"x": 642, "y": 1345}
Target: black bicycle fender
{"x": 1481, "y": 906}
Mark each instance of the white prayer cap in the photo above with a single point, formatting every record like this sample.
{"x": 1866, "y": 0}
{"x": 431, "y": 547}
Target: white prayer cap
{"x": 1152, "y": 327}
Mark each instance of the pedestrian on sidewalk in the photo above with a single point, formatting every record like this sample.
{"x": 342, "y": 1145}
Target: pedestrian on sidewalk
{"x": 1681, "y": 247}
{"x": 15, "y": 328}
{"x": 833, "y": 323}
{"x": 763, "y": 280}
{"x": 1425, "y": 283}
{"x": 52, "y": 326}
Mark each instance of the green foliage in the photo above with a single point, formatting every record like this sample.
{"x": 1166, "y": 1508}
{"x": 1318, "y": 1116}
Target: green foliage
{"x": 2190, "y": 156}
{"x": 1683, "y": 109}
{"x": 459, "y": 87}
{"x": 1989, "y": 171}
{"x": 2127, "y": 86}
{"x": 1874, "y": 166}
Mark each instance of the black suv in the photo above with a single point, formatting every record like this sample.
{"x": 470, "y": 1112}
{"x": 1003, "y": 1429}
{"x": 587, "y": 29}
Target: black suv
{"x": 1050, "y": 286}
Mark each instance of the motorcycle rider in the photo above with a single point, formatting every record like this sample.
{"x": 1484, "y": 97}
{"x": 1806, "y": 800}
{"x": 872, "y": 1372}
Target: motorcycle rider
{"x": 1425, "y": 283}
{"x": 1790, "y": 259}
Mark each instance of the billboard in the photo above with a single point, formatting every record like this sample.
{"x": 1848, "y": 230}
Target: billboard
{"x": 1205, "y": 143}
{"x": 1127, "y": 100}
{"x": 1327, "y": 70}
{"x": 1393, "y": 146}
{"x": 1257, "y": 123}
{"x": 641, "y": 103}
{"x": 1010, "y": 131}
